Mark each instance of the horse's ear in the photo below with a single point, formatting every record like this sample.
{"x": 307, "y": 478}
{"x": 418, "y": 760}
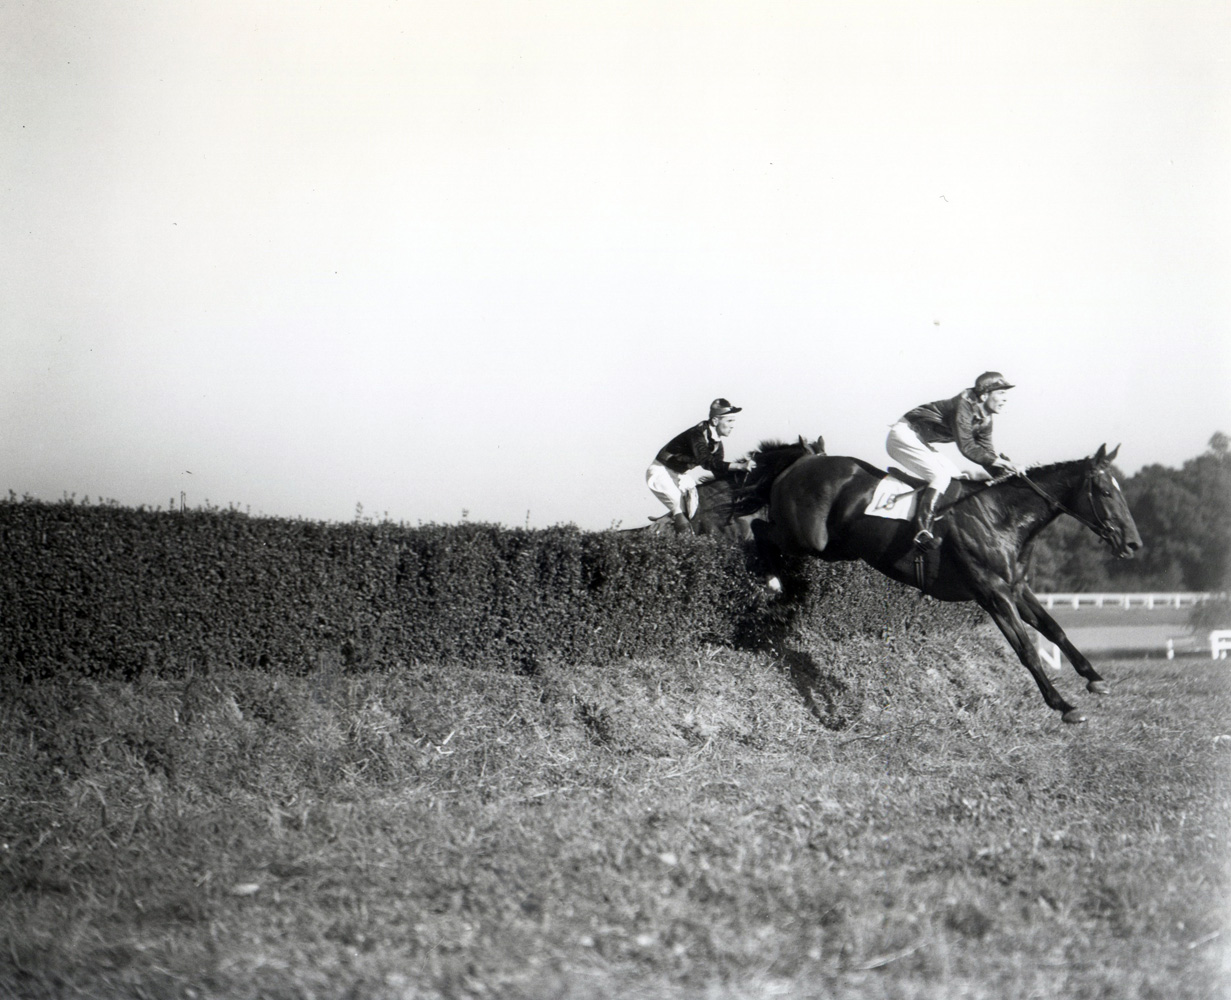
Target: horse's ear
{"x": 1114, "y": 452}
{"x": 1101, "y": 457}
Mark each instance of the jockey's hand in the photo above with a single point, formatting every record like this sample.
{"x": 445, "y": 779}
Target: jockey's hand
{"x": 742, "y": 464}
{"x": 1007, "y": 467}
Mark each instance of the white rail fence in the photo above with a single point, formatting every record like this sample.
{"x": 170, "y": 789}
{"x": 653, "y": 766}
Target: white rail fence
{"x": 1145, "y": 600}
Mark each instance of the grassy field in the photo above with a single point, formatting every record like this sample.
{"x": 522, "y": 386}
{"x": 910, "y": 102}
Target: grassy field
{"x": 723, "y": 826}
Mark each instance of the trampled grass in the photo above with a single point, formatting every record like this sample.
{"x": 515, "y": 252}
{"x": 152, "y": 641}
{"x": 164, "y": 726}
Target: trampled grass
{"x": 725, "y": 826}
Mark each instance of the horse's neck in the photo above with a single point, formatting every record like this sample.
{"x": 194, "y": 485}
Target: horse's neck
{"x": 1031, "y": 511}
{"x": 783, "y": 458}
{"x": 1059, "y": 482}
{"x": 773, "y": 463}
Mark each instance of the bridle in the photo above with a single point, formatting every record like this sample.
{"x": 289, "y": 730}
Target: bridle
{"x": 1100, "y": 525}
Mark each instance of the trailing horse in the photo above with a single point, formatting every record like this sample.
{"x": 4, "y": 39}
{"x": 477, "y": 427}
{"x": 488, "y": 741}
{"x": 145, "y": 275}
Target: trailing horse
{"x": 716, "y": 498}
{"x": 819, "y": 507}
{"x": 713, "y": 516}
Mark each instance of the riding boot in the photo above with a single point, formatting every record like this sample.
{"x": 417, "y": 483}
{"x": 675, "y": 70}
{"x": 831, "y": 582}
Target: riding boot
{"x": 924, "y": 516}
{"x": 682, "y": 525}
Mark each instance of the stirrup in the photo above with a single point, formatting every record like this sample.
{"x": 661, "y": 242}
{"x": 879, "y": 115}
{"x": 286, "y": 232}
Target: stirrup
{"x": 925, "y": 540}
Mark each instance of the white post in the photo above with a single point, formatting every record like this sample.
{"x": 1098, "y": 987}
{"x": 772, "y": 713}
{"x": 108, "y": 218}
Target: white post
{"x": 1220, "y": 642}
{"x": 1171, "y": 649}
{"x": 1049, "y": 653}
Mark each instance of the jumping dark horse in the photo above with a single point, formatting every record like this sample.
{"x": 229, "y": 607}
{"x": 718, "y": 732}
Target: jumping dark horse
{"x": 816, "y": 507}
{"x": 716, "y": 497}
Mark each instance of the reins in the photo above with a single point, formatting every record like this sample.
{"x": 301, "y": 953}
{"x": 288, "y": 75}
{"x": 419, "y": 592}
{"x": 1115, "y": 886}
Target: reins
{"x": 1099, "y": 526}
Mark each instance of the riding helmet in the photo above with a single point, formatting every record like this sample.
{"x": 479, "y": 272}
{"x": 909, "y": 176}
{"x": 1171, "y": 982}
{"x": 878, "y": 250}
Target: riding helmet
{"x": 991, "y": 381}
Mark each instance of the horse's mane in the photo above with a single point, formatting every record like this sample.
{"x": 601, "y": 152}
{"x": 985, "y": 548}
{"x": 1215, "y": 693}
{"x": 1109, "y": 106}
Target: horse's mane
{"x": 773, "y": 444}
{"x": 773, "y": 449}
{"x": 771, "y": 458}
{"x": 1035, "y": 473}
{"x": 1040, "y": 471}
{"x": 1043, "y": 470}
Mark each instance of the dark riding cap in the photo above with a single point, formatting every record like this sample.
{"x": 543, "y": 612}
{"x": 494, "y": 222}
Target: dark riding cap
{"x": 991, "y": 381}
{"x": 721, "y": 407}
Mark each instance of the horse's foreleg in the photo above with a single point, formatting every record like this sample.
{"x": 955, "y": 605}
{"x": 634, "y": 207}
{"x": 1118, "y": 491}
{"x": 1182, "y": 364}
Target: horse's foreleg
{"x": 769, "y": 555}
{"x": 1036, "y": 616}
{"x": 1004, "y": 613}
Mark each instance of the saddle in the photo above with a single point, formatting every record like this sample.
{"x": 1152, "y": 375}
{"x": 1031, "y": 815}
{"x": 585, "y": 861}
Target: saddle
{"x": 914, "y": 482}
{"x": 897, "y": 491}
{"x": 954, "y": 492}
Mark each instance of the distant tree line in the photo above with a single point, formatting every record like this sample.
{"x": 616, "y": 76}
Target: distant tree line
{"x": 1184, "y": 516}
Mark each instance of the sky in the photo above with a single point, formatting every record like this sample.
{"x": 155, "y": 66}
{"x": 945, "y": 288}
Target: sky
{"x": 480, "y": 260}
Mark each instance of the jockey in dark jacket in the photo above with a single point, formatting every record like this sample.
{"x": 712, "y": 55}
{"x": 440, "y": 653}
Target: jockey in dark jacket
{"x": 964, "y": 420}
{"x": 689, "y": 458}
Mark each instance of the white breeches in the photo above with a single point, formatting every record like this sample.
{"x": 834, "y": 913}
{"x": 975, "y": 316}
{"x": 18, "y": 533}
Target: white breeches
{"x": 677, "y": 490}
{"x": 919, "y": 458}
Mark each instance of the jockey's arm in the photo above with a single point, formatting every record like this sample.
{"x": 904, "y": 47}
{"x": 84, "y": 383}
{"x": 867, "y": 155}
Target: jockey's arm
{"x": 701, "y": 474}
{"x": 696, "y": 475}
{"x": 1004, "y": 466}
{"x": 974, "y": 442}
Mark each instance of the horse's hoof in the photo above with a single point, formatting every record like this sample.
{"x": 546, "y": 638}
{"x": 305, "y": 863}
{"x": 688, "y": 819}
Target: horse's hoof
{"x": 1099, "y": 687}
{"x": 1074, "y": 715}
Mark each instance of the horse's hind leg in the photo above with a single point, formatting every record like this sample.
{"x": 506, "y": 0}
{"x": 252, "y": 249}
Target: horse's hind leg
{"x": 1034, "y": 615}
{"x": 1004, "y": 613}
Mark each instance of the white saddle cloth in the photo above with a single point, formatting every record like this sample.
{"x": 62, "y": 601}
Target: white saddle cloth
{"x": 893, "y": 499}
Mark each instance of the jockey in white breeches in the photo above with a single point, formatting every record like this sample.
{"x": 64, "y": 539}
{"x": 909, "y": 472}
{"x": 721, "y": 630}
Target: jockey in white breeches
{"x": 964, "y": 420}
{"x": 689, "y": 459}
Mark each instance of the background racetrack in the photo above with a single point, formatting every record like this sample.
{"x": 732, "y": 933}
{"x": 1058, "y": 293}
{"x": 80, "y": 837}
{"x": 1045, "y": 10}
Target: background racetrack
{"x": 1133, "y": 631}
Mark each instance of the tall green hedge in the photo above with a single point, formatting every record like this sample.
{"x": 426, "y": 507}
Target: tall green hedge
{"x": 108, "y": 590}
